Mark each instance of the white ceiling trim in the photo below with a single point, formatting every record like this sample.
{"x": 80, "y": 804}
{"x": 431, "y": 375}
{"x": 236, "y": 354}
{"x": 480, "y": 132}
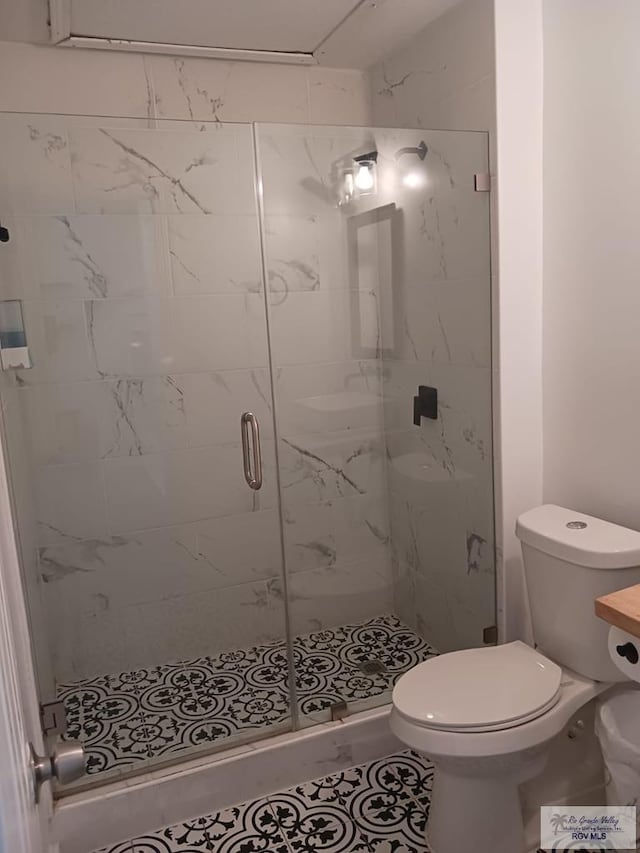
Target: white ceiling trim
{"x": 370, "y": 30}
{"x": 194, "y": 51}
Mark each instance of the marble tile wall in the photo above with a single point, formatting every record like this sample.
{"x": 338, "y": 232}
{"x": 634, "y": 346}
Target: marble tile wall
{"x": 145, "y": 319}
{"x": 324, "y": 330}
{"x": 148, "y": 340}
{"x": 435, "y": 329}
{"x": 144, "y": 309}
{"x": 59, "y": 80}
{"x": 444, "y": 77}
{"x": 440, "y": 474}
{"x": 131, "y": 452}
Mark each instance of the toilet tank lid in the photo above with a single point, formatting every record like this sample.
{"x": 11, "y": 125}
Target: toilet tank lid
{"x": 579, "y": 538}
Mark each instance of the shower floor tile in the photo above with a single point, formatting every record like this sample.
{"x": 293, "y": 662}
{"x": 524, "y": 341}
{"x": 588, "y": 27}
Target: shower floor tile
{"x": 372, "y": 808}
{"x": 128, "y": 718}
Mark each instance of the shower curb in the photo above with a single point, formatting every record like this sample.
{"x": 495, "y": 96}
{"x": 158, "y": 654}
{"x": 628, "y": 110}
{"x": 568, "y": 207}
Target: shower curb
{"x": 113, "y": 813}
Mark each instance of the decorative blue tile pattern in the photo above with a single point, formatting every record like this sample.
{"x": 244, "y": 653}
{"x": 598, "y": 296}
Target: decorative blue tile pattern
{"x": 380, "y": 807}
{"x": 131, "y": 717}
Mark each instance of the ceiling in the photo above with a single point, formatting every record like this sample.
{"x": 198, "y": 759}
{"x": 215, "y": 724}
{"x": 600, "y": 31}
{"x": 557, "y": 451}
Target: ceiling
{"x": 279, "y": 25}
{"x": 337, "y": 33}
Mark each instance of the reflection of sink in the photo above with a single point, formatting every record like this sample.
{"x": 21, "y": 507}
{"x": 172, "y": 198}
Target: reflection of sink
{"x": 341, "y": 402}
{"x": 417, "y": 465}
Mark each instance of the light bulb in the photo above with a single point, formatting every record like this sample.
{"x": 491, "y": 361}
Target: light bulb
{"x": 413, "y": 180}
{"x": 364, "y": 178}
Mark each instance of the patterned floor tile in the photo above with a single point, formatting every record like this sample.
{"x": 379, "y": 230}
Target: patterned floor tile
{"x": 366, "y": 809}
{"x": 132, "y": 717}
{"x": 125, "y": 847}
{"x": 322, "y": 826}
{"x": 251, "y": 828}
{"x": 383, "y": 800}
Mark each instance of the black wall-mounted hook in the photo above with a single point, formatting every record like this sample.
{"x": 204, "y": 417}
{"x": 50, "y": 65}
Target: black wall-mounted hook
{"x": 4, "y": 234}
{"x": 425, "y": 405}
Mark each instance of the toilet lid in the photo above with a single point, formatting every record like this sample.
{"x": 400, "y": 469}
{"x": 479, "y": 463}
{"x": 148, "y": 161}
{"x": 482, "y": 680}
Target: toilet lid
{"x": 479, "y": 689}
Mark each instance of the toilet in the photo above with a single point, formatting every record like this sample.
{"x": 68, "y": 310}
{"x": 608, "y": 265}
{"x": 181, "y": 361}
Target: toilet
{"x": 486, "y": 716}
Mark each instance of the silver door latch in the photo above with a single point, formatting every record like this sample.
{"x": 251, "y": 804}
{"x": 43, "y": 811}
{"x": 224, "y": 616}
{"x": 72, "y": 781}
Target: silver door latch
{"x": 66, "y": 764}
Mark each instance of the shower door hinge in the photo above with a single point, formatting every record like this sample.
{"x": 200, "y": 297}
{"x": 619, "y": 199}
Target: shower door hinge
{"x": 482, "y": 182}
{"x": 53, "y": 717}
{"x": 490, "y": 635}
{"x": 338, "y": 710}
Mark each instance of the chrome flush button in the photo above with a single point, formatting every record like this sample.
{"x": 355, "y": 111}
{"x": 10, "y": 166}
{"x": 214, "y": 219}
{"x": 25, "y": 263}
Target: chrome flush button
{"x": 576, "y": 525}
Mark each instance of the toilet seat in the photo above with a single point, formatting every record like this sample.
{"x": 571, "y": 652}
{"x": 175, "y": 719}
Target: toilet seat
{"x": 479, "y": 690}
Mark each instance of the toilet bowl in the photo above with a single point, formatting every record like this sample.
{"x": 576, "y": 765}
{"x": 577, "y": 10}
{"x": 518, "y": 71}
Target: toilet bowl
{"x": 486, "y": 716}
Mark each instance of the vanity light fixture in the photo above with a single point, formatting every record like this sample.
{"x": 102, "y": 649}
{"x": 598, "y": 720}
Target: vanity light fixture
{"x": 365, "y": 177}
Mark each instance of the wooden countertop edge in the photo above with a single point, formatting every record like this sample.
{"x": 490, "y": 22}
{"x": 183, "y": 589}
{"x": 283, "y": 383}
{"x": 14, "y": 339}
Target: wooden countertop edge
{"x": 621, "y": 608}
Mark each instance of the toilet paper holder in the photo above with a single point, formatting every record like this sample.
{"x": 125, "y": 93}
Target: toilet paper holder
{"x": 628, "y": 651}
{"x": 624, "y": 652}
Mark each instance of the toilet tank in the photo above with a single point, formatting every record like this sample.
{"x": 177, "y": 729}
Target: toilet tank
{"x": 569, "y": 560}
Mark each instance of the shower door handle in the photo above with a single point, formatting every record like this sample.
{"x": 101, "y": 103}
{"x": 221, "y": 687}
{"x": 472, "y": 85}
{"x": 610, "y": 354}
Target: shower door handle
{"x": 251, "y": 455}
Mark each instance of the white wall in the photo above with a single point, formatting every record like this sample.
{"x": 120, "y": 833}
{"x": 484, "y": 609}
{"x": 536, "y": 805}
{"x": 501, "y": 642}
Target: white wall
{"x": 592, "y": 257}
{"x": 518, "y": 438}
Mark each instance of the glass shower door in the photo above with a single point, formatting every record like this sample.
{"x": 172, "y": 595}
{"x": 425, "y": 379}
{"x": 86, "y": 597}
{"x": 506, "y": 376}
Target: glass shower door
{"x": 148, "y": 559}
{"x": 377, "y": 250}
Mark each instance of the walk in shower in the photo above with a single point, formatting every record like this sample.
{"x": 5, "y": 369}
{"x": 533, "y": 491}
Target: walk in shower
{"x": 208, "y": 306}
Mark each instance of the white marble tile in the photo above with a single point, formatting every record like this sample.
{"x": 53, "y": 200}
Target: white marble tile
{"x": 162, "y": 171}
{"x": 293, "y": 253}
{"x": 137, "y": 416}
{"x": 70, "y": 503}
{"x": 16, "y": 267}
{"x": 303, "y": 174}
{"x": 218, "y": 91}
{"x": 330, "y": 326}
{"x": 335, "y": 595}
{"x": 58, "y": 342}
{"x": 310, "y": 535}
{"x": 35, "y": 173}
{"x": 446, "y": 237}
{"x": 152, "y": 414}
{"x": 339, "y": 96}
{"x": 335, "y": 531}
{"x": 84, "y": 257}
{"x": 213, "y": 254}
{"x": 308, "y": 252}
{"x": 469, "y": 108}
{"x": 160, "y": 564}
{"x": 328, "y": 397}
{"x": 46, "y": 79}
{"x": 460, "y": 439}
{"x": 449, "y": 55}
{"x": 198, "y": 624}
{"x": 447, "y": 539}
{"x": 214, "y": 403}
{"x": 172, "y": 488}
{"x": 431, "y": 327}
{"x": 445, "y": 618}
{"x": 320, "y": 467}
{"x": 88, "y": 643}
{"x": 147, "y": 336}
{"x": 60, "y": 421}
